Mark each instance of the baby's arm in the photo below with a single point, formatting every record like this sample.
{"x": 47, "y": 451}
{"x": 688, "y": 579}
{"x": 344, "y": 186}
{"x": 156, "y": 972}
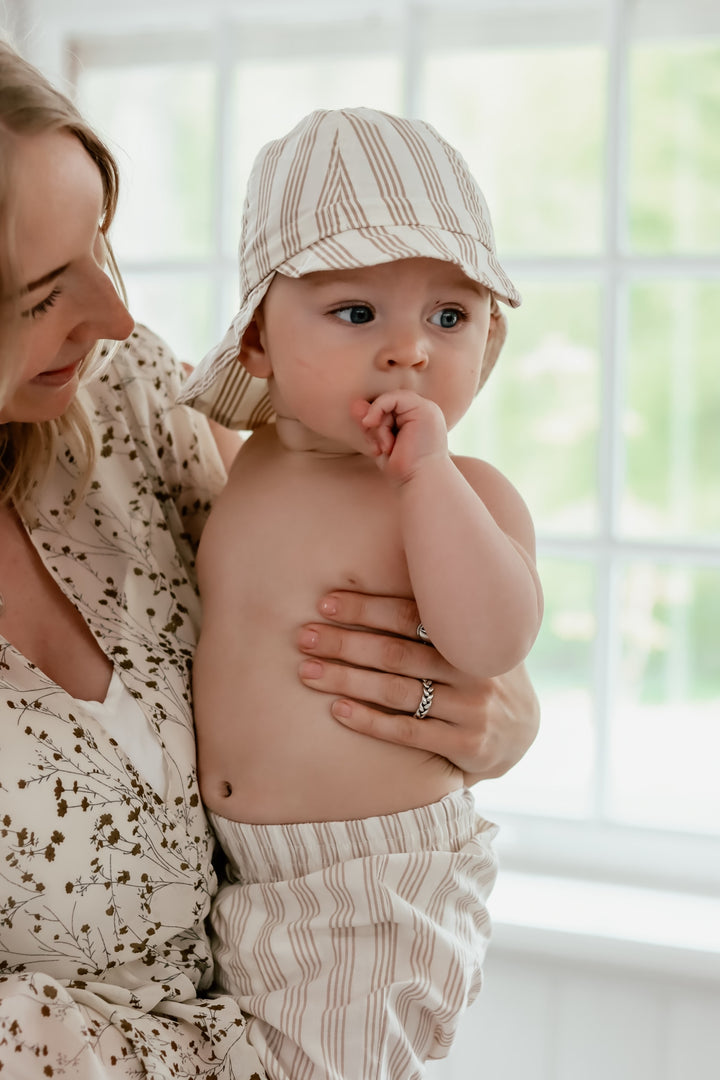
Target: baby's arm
{"x": 468, "y": 537}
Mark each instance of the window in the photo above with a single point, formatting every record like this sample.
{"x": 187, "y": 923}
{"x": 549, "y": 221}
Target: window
{"x": 592, "y": 126}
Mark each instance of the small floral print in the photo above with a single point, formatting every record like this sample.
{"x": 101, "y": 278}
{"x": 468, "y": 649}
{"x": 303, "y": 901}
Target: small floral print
{"x": 106, "y": 882}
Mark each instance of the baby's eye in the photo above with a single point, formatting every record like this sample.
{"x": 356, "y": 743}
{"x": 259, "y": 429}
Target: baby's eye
{"x": 355, "y": 313}
{"x": 447, "y": 318}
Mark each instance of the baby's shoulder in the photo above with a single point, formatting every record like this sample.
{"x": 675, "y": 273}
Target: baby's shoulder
{"x": 501, "y": 497}
{"x": 480, "y": 474}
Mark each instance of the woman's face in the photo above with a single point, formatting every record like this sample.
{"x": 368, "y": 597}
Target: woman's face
{"x": 67, "y": 300}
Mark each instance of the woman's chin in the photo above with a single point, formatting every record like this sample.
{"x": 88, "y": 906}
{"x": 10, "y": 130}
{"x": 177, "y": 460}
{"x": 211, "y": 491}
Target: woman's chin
{"x": 45, "y": 398}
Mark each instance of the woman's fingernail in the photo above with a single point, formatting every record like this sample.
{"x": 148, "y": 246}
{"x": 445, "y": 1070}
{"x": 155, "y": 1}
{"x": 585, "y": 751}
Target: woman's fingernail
{"x": 341, "y": 709}
{"x": 329, "y": 606}
{"x": 311, "y": 669}
{"x": 308, "y": 638}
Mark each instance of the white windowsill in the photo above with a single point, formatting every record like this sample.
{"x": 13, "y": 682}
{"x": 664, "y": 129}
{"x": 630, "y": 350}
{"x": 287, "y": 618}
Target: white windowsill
{"x": 595, "y": 922}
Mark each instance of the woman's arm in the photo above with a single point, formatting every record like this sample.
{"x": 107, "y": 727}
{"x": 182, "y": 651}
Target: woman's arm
{"x": 228, "y": 442}
{"x": 484, "y": 726}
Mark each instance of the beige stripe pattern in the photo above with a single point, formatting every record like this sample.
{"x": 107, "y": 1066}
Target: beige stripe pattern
{"x": 345, "y": 188}
{"x": 355, "y": 946}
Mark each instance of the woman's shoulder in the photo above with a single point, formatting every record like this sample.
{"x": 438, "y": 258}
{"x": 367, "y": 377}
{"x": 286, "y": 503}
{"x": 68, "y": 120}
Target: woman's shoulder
{"x": 146, "y": 356}
{"x": 140, "y": 383}
{"x": 136, "y": 413}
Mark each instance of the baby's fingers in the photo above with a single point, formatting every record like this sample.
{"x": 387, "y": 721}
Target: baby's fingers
{"x": 380, "y": 412}
{"x": 378, "y": 426}
{"x": 385, "y": 436}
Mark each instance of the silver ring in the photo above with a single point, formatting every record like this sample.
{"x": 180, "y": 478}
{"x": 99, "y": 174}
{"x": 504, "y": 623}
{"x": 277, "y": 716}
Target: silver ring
{"x": 428, "y": 690}
{"x": 422, "y": 633}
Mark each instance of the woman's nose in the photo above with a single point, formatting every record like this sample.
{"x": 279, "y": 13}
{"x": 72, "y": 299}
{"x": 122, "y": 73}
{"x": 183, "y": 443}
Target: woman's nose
{"x": 105, "y": 315}
{"x": 120, "y": 322}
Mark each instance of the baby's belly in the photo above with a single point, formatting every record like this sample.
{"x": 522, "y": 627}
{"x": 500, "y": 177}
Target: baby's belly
{"x": 293, "y": 762}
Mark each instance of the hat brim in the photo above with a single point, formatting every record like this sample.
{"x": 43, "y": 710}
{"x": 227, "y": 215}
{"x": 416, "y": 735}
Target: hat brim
{"x": 373, "y": 245}
{"x": 221, "y": 387}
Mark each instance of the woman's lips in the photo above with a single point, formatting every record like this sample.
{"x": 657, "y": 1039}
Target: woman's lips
{"x": 59, "y": 376}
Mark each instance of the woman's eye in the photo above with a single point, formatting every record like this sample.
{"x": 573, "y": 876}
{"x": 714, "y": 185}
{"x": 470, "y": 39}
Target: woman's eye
{"x": 447, "y": 318}
{"x": 355, "y": 313}
{"x": 42, "y": 307}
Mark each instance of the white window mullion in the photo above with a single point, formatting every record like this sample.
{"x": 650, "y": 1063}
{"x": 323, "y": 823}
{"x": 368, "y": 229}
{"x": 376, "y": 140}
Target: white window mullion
{"x": 615, "y": 241}
{"x": 412, "y": 38}
{"x": 223, "y": 59}
{"x": 610, "y": 448}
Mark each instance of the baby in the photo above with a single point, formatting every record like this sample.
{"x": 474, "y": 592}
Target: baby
{"x": 353, "y": 923}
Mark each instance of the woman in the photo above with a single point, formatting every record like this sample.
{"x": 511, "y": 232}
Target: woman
{"x": 104, "y": 487}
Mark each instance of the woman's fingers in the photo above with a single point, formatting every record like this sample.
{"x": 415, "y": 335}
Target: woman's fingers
{"x": 397, "y": 693}
{"x": 484, "y": 726}
{"x": 374, "y": 673}
{"x": 381, "y": 652}
{"x": 389, "y": 613}
{"x": 464, "y": 747}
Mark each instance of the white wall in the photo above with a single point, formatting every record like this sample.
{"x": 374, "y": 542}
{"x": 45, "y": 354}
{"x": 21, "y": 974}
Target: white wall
{"x": 540, "y": 1018}
{"x": 591, "y": 981}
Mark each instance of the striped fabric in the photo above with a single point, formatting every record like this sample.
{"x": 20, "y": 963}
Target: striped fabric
{"x": 355, "y": 946}
{"x": 346, "y": 188}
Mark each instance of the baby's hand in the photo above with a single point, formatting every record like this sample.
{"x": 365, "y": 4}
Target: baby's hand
{"x": 402, "y": 429}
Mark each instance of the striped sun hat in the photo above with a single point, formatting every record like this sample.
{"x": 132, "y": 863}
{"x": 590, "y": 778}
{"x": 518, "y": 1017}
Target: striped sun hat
{"x": 346, "y": 188}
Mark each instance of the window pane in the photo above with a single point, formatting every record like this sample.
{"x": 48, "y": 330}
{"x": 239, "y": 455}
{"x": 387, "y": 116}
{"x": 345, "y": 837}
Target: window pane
{"x": 537, "y": 417}
{"x": 556, "y": 775}
{"x": 531, "y": 125}
{"x": 290, "y": 90}
{"x": 158, "y": 121}
{"x": 674, "y": 148}
{"x": 665, "y": 731}
{"x": 178, "y": 307}
{"x": 672, "y": 412}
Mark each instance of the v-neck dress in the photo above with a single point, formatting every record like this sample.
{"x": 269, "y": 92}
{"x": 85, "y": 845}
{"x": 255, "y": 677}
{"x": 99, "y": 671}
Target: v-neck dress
{"x": 105, "y": 881}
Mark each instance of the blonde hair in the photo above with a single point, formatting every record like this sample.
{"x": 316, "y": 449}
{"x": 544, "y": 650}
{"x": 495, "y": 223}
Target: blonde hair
{"x": 30, "y": 105}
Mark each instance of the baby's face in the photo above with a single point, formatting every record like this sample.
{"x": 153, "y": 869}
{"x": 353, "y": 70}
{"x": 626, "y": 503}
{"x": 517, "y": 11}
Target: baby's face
{"x": 334, "y": 337}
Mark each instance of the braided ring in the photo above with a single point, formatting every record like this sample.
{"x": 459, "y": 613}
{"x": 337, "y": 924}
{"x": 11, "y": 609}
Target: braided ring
{"x": 428, "y": 691}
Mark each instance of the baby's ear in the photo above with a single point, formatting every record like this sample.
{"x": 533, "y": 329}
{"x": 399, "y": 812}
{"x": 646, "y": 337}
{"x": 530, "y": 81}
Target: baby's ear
{"x": 497, "y": 333}
{"x": 252, "y": 353}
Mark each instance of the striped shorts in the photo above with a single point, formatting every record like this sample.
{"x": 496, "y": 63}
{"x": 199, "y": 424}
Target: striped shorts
{"x": 355, "y": 946}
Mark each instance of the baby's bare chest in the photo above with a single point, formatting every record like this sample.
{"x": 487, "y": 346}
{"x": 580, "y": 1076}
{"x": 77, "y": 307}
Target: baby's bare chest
{"x": 319, "y": 530}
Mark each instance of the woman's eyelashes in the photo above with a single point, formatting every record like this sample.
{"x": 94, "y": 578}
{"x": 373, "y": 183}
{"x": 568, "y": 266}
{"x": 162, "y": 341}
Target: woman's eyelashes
{"x": 43, "y": 306}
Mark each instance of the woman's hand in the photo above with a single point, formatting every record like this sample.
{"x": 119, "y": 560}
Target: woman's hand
{"x": 483, "y": 726}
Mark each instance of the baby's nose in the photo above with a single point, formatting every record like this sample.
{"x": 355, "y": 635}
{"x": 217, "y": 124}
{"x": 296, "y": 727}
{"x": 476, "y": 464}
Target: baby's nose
{"x": 404, "y": 350}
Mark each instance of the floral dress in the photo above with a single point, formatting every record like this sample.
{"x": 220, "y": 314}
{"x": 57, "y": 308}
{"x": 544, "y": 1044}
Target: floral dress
{"x": 105, "y": 967}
